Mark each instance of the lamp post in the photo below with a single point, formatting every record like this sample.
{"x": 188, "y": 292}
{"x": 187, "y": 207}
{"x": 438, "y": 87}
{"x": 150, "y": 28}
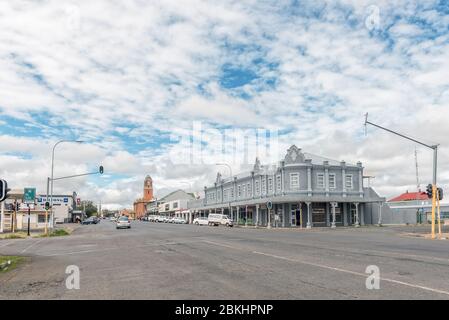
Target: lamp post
{"x": 435, "y": 166}
{"x": 52, "y": 171}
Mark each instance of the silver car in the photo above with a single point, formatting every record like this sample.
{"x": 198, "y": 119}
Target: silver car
{"x": 123, "y": 223}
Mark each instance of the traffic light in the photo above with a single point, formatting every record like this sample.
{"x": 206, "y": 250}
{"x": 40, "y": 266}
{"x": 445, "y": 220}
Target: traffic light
{"x": 101, "y": 169}
{"x": 47, "y": 205}
{"x": 429, "y": 191}
{"x": 3, "y": 190}
{"x": 440, "y": 193}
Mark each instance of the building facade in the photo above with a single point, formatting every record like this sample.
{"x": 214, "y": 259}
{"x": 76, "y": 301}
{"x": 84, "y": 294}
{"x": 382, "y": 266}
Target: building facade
{"x": 303, "y": 190}
{"x": 175, "y": 204}
{"x": 140, "y": 205}
{"x": 415, "y": 208}
{"x": 14, "y": 213}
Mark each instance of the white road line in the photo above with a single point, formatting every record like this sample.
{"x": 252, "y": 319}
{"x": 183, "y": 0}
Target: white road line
{"x": 220, "y": 244}
{"x": 5, "y": 244}
{"x": 352, "y": 272}
{"x": 75, "y": 252}
{"x": 31, "y": 245}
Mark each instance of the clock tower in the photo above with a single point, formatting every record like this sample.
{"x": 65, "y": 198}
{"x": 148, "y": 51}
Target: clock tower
{"x": 148, "y": 189}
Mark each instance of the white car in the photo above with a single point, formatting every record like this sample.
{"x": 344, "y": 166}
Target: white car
{"x": 201, "y": 221}
{"x": 179, "y": 220}
{"x": 123, "y": 223}
{"x": 113, "y": 219}
{"x": 215, "y": 219}
{"x": 162, "y": 219}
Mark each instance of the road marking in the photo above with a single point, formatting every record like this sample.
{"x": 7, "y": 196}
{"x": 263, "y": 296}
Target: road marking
{"x": 75, "y": 252}
{"x": 7, "y": 243}
{"x": 31, "y": 245}
{"x": 222, "y": 245}
{"x": 351, "y": 272}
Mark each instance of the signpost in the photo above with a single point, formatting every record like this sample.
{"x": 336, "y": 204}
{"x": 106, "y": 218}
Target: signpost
{"x": 269, "y": 207}
{"x": 29, "y": 196}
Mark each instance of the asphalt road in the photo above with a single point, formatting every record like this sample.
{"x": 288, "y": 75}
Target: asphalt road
{"x": 165, "y": 261}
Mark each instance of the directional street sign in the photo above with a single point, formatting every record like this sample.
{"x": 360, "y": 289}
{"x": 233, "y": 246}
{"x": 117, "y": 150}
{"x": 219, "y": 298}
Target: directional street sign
{"x": 29, "y": 195}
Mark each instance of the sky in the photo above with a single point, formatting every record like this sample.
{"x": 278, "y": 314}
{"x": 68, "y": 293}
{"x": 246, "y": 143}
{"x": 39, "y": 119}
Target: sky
{"x": 139, "y": 81}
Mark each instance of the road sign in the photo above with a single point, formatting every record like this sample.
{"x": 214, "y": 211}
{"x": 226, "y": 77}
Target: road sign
{"x": 29, "y": 195}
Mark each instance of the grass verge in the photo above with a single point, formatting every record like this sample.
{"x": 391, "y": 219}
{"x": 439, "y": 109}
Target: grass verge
{"x": 17, "y": 235}
{"x": 56, "y": 233}
{"x": 8, "y": 263}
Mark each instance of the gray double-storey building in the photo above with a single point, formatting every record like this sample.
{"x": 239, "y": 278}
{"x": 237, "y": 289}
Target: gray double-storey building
{"x": 303, "y": 190}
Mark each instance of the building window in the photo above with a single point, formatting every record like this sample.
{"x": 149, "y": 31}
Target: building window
{"x": 41, "y": 218}
{"x": 294, "y": 181}
{"x": 257, "y": 188}
{"x": 248, "y": 189}
{"x": 167, "y": 207}
{"x": 264, "y": 185}
{"x": 349, "y": 184}
{"x": 232, "y": 193}
{"x": 244, "y": 190}
{"x": 270, "y": 185}
{"x": 332, "y": 181}
{"x": 175, "y": 205}
{"x": 278, "y": 183}
{"x": 239, "y": 191}
{"x": 320, "y": 180}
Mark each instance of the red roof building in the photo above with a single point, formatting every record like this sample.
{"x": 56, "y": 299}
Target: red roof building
{"x": 410, "y": 196}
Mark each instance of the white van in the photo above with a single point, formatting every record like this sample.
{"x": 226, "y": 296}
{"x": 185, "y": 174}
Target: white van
{"x": 216, "y": 219}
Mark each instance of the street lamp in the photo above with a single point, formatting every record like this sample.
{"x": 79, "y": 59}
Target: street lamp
{"x": 52, "y": 170}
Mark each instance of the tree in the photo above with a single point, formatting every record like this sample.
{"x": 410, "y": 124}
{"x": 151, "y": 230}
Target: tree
{"x": 89, "y": 207}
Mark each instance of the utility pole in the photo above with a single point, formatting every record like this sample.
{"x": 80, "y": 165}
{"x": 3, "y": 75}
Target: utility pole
{"x": 418, "y": 185}
{"x": 435, "y": 165}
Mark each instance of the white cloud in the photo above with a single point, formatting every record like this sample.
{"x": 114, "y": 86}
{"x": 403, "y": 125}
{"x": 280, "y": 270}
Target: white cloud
{"x": 119, "y": 74}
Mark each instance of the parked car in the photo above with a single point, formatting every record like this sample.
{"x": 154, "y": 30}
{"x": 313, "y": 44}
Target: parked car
{"x": 161, "y": 219}
{"x": 201, "y": 221}
{"x": 90, "y": 220}
{"x": 152, "y": 218}
{"x": 179, "y": 220}
{"x": 123, "y": 223}
{"x": 171, "y": 220}
{"x": 216, "y": 219}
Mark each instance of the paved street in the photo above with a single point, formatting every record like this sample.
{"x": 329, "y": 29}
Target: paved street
{"x": 165, "y": 261}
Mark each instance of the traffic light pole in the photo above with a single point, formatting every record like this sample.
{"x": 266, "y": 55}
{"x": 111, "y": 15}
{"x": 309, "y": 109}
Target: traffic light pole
{"x": 100, "y": 171}
{"x": 435, "y": 165}
{"x": 46, "y": 209}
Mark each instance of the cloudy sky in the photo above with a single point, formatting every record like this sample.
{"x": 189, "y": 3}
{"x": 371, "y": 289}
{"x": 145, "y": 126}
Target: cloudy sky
{"x": 133, "y": 79}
